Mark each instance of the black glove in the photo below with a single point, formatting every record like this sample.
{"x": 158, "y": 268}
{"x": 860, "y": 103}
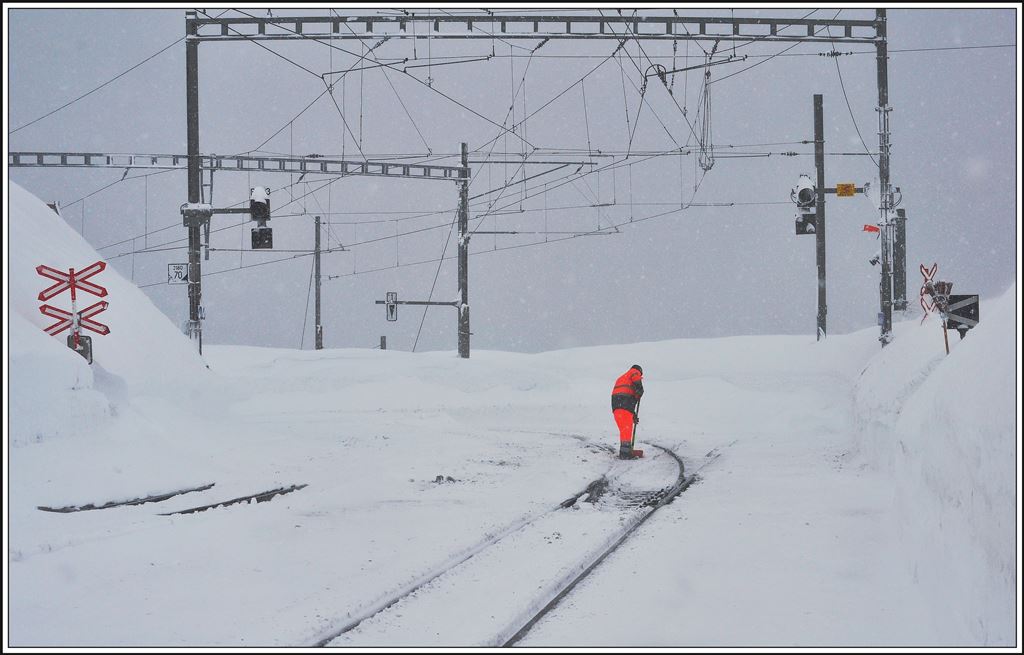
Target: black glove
{"x": 636, "y": 419}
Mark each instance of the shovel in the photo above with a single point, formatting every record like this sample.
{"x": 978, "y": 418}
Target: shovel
{"x": 636, "y": 453}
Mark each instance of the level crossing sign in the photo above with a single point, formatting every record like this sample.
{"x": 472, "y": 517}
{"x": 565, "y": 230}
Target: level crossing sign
{"x": 74, "y": 320}
{"x": 66, "y": 319}
{"x": 71, "y": 281}
{"x": 927, "y": 305}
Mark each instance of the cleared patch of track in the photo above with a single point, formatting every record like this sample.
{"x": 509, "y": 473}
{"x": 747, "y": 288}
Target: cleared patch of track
{"x": 654, "y": 502}
{"x": 602, "y": 517}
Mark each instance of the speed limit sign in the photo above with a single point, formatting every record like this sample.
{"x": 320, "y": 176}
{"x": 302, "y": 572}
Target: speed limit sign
{"x": 177, "y": 274}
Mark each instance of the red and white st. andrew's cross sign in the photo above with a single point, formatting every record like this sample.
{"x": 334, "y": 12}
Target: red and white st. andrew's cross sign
{"x": 66, "y": 319}
{"x": 927, "y": 305}
{"x": 72, "y": 281}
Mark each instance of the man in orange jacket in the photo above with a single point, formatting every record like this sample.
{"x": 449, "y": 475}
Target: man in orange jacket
{"x": 625, "y": 398}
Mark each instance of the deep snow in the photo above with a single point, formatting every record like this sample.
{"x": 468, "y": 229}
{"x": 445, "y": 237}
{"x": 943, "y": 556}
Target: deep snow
{"x": 863, "y": 496}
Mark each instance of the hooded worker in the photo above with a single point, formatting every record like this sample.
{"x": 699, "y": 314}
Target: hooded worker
{"x": 626, "y": 395}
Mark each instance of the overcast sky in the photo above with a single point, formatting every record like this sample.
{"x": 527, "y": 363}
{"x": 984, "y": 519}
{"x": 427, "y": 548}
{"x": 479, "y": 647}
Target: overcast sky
{"x": 727, "y": 264}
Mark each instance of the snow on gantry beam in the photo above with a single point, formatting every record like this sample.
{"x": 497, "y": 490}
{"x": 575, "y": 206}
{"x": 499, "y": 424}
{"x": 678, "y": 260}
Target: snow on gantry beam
{"x": 291, "y": 165}
{"x": 551, "y": 26}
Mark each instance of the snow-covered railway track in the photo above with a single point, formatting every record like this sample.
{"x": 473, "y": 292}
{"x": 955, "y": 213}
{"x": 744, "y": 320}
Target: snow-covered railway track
{"x": 565, "y": 586}
{"x": 383, "y": 603}
{"x": 512, "y": 578}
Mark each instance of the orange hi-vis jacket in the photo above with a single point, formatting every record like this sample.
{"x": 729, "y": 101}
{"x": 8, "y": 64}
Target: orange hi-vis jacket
{"x": 627, "y": 390}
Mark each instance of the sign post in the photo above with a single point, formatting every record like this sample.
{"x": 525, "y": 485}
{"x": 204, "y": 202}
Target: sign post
{"x": 927, "y": 305}
{"x": 391, "y": 304}
{"x": 75, "y": 320}
{"x": 958, "y": 313}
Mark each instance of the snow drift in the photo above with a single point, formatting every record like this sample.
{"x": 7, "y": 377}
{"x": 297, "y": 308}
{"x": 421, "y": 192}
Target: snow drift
{"x": 101, "y": 429}
{"x": 143, "y": 350}
{"x": 945, "y": 428}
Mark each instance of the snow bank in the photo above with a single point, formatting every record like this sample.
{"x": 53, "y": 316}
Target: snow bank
{"x": 143, "y": 347}
{"x": 51, "y": 391}
{"x": 83, "y": 432}
{"x": 944, "y": 427}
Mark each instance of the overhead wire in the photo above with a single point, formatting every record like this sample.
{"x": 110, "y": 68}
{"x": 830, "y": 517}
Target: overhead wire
{"x": 221, "y": 229}
{"x": 632, "y": 36}
{"x": 330, "y": 89}
{"x": 290, "y": 121}
{"x": 510, "y": 112}
{"x": 160, "y": 248}
{"x": 849, "y": 108}
{"x": 374, "y": 240}
{"x": 328, "y": 86}
{"x": 90, "y": 92}
{"x": 577, "y": 234}
{"x": 765, "y": 61}
{"x": 490, "y": 34}
{"x": 246, "y": 37}
{"x": 433, "y": 284}
{"x": 393, "y": 89}
{"x": 305, "y": 312}
{"x": 567, "y": 89}
{"x": 550, "y": 185}
{"x": 118, "y": 181}
{"x": 392, "y": 67}
{"x": 314, "y": 191}
{"x": 590, "y": 148}
{"x": 528, "y": 245}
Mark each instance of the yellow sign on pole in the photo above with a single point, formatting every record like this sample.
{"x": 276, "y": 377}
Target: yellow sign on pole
{"x": 845, "y": 190}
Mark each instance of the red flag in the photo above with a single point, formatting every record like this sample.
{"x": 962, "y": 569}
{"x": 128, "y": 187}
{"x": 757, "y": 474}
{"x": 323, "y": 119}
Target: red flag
{"x": 871, "y": 228}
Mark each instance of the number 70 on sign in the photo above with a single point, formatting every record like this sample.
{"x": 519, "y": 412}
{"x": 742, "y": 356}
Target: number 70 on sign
{"x": 177, "y": 274}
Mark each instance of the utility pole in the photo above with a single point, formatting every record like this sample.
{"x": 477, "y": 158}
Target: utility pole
{"x": 810, "y": 201}
{"x": 196, "y": 213}
{"x": 464, "y": 256}
{"x": 316, "y": 273}
{"x": 195, "y": 181}
{"x": 899, "y": 261}
{"x": 883, "y": 109}
{"x": 462, "y": 304}
{"x": 819, "y": 211}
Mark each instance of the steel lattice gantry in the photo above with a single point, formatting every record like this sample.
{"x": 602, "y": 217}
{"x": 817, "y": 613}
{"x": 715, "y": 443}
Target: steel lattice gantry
{"x": 237, "y": 163}
{"x": 554, "y": 26}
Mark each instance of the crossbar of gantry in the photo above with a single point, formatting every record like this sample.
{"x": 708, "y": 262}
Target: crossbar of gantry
{"x": 246, "y": 163}
{"x": 553, "y": 26}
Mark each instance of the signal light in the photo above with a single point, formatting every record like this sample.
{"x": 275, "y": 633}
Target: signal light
{"x": 259, "y": 210}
